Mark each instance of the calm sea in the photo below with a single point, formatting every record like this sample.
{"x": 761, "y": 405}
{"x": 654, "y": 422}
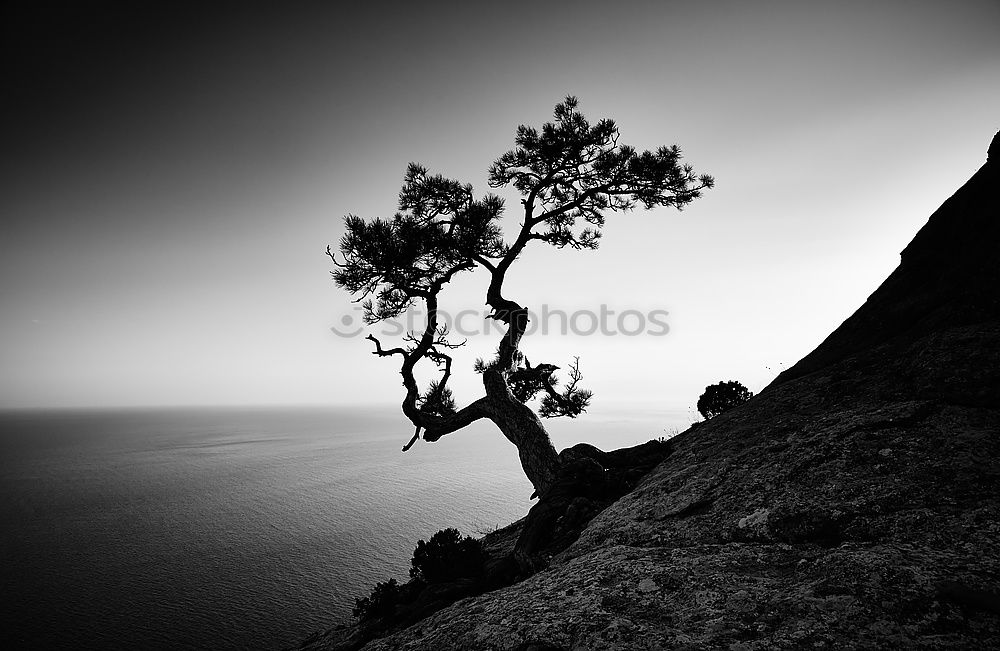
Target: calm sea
{"x": 236, "y": 528}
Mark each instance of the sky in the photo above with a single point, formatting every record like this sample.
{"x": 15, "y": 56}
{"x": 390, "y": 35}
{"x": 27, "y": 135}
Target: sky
{"x": 172, "y": 174}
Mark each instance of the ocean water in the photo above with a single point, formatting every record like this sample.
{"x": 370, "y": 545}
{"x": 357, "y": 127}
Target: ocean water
{"x": 237, "y": 528}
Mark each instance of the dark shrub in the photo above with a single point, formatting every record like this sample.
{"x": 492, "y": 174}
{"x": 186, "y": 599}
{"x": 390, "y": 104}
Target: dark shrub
{"x": 447, "y": 557}
{"x": 722, "y": 397}
{"x": 380, "y": 603}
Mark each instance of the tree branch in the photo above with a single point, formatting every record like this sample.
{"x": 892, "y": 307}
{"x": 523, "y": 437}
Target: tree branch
{"x": 413, "y": 439}
{"x": 484, "y": 262}
{"x": 436, "y": 426}
{"x": 385, "y": 353}
{"x": 330, "y": 254}
{"x": 571, "y": 402}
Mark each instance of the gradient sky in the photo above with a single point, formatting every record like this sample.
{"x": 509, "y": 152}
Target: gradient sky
{"x": 172, "y": 176}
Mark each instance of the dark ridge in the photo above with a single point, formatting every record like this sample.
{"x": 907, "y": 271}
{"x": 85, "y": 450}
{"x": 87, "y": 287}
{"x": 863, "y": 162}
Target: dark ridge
{"x": 948, "y": 276}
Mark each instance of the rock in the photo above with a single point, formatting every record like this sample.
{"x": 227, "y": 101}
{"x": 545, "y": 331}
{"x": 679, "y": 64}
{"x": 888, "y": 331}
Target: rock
{"x": 648, "y": 585}
{"x": 756, "y": 520}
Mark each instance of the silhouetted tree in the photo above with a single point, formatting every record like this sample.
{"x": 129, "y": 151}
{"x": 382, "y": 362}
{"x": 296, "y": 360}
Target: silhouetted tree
{"x": 381, "y": 602}
{"x": 722, "y": 397}
{"x": 570, "y": 171}
{"x": 446, "y": 557}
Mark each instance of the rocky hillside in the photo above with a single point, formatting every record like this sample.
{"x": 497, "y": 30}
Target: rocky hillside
{"x": 853, "y": 503}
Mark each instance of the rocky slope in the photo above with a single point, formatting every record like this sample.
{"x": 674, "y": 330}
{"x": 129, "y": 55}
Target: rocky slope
{"x": 853, "y": 503}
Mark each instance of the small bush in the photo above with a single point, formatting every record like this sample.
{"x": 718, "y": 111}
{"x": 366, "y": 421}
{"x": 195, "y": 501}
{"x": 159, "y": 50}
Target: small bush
{"x": 447, "y": 557}
{"x": 721, "y": 397}
{"x": 380, "y": 603}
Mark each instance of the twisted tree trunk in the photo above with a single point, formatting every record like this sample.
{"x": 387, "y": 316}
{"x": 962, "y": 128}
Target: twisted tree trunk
{"x": 516, "y": 421}
{"x": 522, "y": 427}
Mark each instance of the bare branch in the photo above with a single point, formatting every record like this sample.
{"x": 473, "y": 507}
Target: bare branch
{"x": 384, "y": 353}
{"x": 413, "y": 439}
{"x": 436, "y": 427}
{"x": 330, "y": 254}
{"x": 484, "y": 262}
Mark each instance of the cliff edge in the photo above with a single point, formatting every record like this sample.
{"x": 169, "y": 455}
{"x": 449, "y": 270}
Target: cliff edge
{"x": 853, "y": 503}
